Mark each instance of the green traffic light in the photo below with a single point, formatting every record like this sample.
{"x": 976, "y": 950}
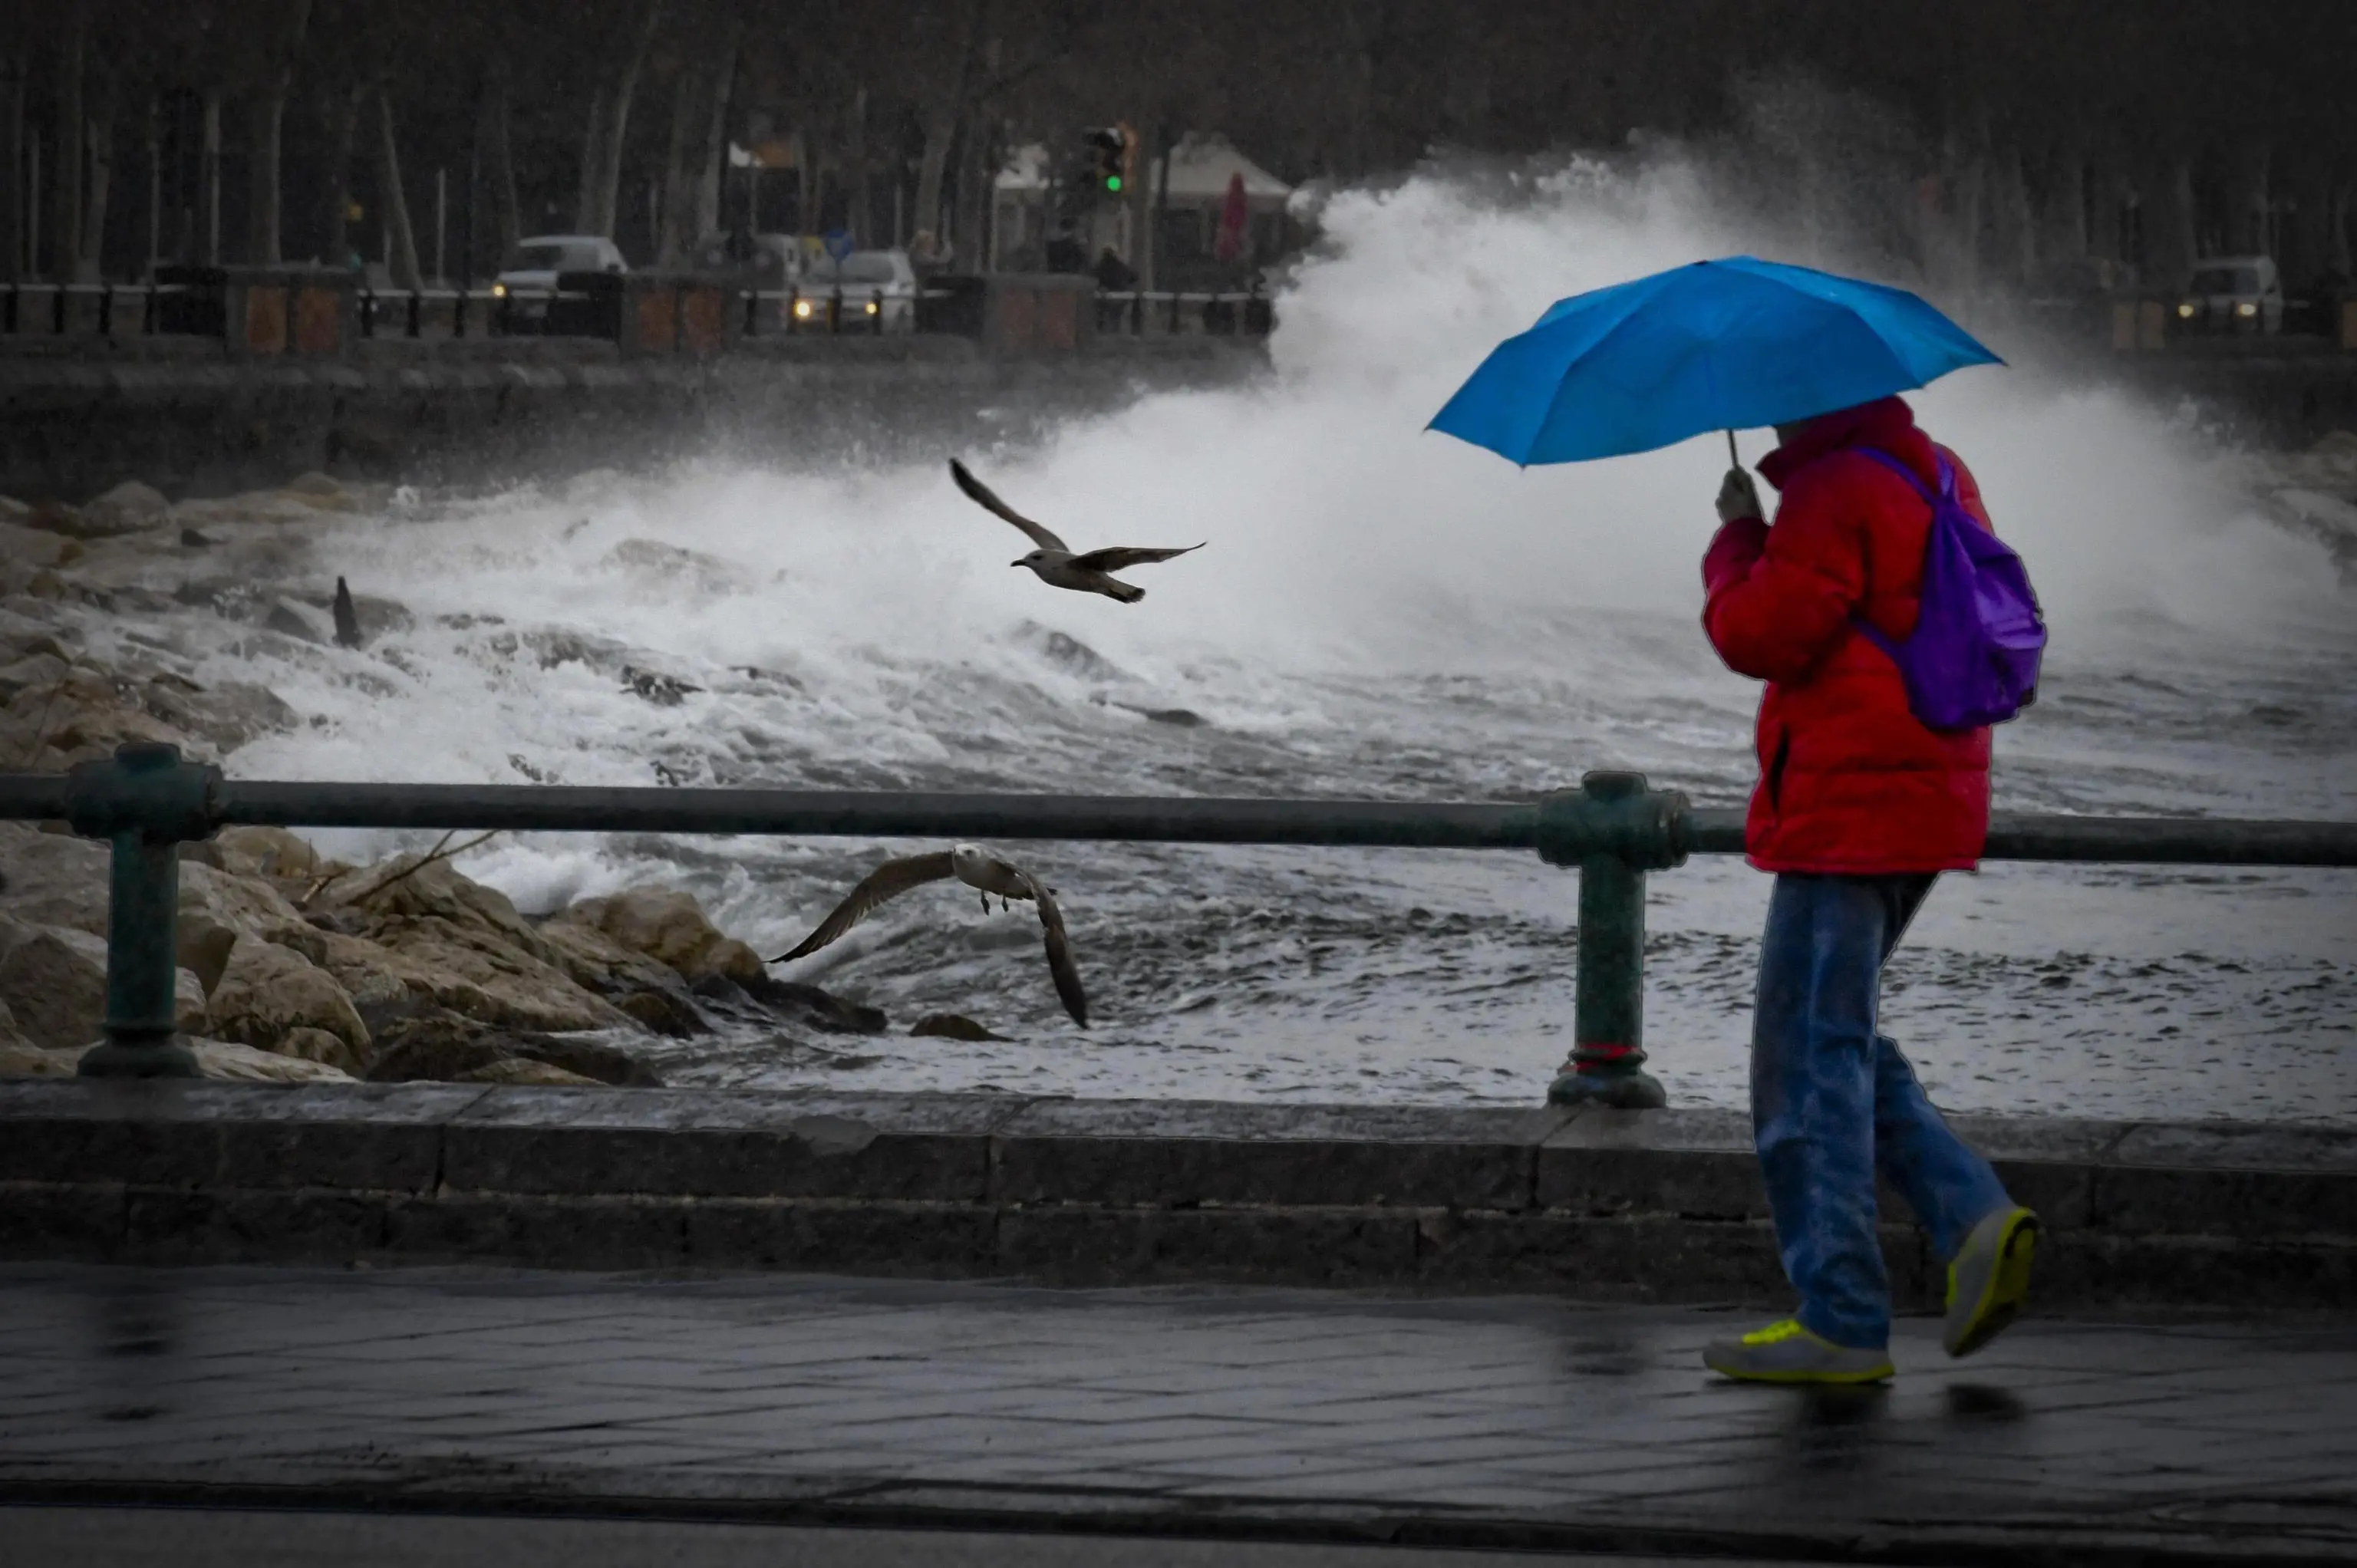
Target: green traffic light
{"x": 1112, "y": 182}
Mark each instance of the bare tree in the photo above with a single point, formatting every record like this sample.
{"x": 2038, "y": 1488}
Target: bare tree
{"x": 281, "y": 46}
{"x": 499, "y": 161}
{"x": 609, "y": 123}
{"x": 98, "y": 176}
{"x": 209, "y": 178}
{"x": 12, "y": 164}
{"x": 391, "y": 196}
{"x": 65, "y": 188}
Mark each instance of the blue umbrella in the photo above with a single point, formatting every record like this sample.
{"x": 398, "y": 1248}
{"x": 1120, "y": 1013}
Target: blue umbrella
{"x": 1728, "y": 345}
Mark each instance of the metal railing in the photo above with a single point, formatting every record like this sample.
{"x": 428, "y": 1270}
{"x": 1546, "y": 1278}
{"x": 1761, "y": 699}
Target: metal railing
{"x": 146, "y": 800}
{"x": 1140, "y": 312}
{"x": 43, "y": 309}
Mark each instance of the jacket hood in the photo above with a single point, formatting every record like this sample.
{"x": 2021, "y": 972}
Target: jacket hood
{"x": 1887, "y": 425}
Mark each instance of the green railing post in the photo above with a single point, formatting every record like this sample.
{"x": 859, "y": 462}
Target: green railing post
{"x": 1614, "y": 830}
{"x": 146, "y": 801}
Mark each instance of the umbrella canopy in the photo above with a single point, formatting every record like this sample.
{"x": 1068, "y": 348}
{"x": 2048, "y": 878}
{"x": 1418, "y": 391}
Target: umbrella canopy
{"x": 1726, "y": 344}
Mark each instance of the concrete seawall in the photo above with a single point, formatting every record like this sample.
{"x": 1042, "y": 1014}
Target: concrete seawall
{"x": 175, "y": 414}
{"x": 1651, "y": 1206}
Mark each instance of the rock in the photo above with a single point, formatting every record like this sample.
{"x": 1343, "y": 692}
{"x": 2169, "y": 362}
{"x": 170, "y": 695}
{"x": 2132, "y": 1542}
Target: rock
{"x": 36, "y": 672}
{"x": 53, "y": 980}
{"x": 292, "y": 617}
{"x": 495, "y": 983}
{"x": 438, "y": 1044}
{"x": 523, "y": 1069}
{"x": 662, "y": 1012}
{"x": 651, "y": 993}
{"x": 132, "y": 501}
{"x": 668, "y": 926}
{"x": 87, "y": 524}
{"x": 53, "y": 880}
{"x": 226, "y": 1058}
{"x": 953, "y": 1027}
{"x": 19, "y": 1057}
{"x": 192, "y": 539}
{"x": 36, "y": 546}
{"x": 820, "y": 1009}
{"x": 315, "y": 486}
{"x": 268, "y": 991}
{"x": 435, "y": 1045}
{"x": 347, "y": 620}
{"x": 318, "y": 1045}
{"x": 265, "y": 852}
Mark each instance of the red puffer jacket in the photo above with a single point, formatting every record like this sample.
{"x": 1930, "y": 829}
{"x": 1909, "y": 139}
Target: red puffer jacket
{"x": 1850, "y": 780}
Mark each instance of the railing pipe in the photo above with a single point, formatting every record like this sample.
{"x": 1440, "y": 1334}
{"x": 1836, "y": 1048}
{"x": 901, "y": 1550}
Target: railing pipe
{"x": 146, "y": 801}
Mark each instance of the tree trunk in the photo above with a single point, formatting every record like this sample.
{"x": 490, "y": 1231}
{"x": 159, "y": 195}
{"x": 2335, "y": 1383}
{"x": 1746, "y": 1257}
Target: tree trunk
{"x": 65, "y": 187}
{"x": 262, "y": 247}
{"x": 12, "y": 165}
{"x": 2170, "y": 236}
{"x": 394, "y": 201}
{"x": 100, "y": 133}
{"x": 610, "y": 125}
{"x": 715, "y": 137}
{"x": 674, "y": 241}
{"x": 861, "y": 220}
{"x": 498, "y": 163}
{"x": 933, "y": 167}
{"x": 263, "y": 188}
{"x": 343, "y": 131}
{"x": 941, "y": 118}
{"x": 209, "y": 176}
{"x": 2336, "y": 230}
{"x": 593, "y": 142}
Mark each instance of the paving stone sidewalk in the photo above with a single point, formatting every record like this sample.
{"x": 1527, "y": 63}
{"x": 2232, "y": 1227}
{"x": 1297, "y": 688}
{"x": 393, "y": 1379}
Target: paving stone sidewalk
{"x": 1499, "y": 1422}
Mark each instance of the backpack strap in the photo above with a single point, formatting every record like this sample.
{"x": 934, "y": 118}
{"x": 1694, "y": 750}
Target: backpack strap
{"x": 1947, "y": 473}
{"x": 1947, "y": 491}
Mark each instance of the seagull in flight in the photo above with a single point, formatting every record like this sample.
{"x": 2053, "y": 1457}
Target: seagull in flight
{"x": 1054, "y": 562}
{"x": 977, "y": 868}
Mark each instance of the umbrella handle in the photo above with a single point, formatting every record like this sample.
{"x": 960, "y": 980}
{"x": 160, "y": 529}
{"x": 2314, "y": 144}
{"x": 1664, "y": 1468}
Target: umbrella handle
{"x": 1732, "y": 455}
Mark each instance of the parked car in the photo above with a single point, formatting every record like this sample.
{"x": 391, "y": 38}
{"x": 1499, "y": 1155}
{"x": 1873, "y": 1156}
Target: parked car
{"x": 2233, "y": 294}
{"x": 872, "y": 283}
{"x": 528, "y": 276}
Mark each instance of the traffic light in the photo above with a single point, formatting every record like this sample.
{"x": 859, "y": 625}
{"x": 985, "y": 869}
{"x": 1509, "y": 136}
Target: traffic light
{"x": 1109, "y": 159}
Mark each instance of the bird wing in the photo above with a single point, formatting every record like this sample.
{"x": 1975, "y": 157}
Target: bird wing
{"x": 1059, "y": 951}
{"x": 1113, "y": 557}
{"x": 982, "y": 495}
{"x": 889, "y": 880}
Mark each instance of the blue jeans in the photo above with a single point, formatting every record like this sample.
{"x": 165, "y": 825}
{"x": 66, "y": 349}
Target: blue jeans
{"x": 1832, "y": 1099}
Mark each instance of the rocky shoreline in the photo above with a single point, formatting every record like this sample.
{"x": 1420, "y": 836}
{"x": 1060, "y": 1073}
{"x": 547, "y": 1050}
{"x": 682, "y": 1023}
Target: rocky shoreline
{"x": 295, "y": 967}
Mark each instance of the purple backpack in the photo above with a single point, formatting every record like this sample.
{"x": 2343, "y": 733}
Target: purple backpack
{"x": 1972, "y": 659}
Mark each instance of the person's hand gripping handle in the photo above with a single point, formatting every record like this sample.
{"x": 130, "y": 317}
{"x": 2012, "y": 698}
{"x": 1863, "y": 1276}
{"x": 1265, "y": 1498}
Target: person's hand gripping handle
{"x": 1737, "y": 497}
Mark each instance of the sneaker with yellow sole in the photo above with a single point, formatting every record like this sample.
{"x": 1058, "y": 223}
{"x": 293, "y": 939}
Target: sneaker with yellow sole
{"x": 1989, "y": 1279}
{"x": 1787, "y": 1353}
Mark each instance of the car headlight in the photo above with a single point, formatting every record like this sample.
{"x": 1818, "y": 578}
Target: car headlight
{"x": 2247, "y": 309}
{"x": 2188, "y": 310}
{"x": 801, "y": 310}
{"x": 499, "y": 291}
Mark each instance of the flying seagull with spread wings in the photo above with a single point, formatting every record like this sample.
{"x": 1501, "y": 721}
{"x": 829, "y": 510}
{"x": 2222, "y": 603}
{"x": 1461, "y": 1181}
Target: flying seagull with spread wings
{"x": 977, "y": 868}
{"x": 1055, "y": 562}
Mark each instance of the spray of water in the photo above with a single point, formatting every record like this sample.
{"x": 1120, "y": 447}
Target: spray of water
{"x": 1380, "y": 610}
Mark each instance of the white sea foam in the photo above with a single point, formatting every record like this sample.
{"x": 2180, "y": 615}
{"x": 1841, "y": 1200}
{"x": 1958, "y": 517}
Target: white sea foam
{"x": 1381, "y": 610}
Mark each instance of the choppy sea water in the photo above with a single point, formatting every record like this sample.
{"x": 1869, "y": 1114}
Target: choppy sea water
{"x": 1380, "y": 612}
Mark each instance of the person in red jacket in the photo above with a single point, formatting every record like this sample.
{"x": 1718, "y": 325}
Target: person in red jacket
{"x": 1860, "y": 805}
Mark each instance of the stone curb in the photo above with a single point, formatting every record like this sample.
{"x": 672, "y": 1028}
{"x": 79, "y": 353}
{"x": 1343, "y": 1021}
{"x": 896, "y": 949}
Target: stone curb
{"x": 2049, "y": 1538}
{"x": 1663, "y": 1206}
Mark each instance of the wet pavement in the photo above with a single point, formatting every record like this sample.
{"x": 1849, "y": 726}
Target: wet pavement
{"x": 1322, "y": 1417}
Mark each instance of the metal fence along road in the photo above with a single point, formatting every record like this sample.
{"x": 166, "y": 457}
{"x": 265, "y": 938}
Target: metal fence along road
{"x": 1614, "y": 829}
